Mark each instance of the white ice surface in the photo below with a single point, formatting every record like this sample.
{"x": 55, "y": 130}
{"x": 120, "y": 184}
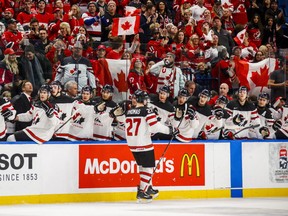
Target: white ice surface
{"x": 193, "y": 207}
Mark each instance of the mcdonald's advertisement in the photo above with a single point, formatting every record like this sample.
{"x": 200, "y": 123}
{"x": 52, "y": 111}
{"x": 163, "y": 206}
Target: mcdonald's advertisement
{"x": 104, "y": 166}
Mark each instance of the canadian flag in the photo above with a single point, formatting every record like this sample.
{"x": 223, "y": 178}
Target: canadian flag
{"x": 113, "y": 72}
{"x": 132, "y": 11}
{"x": 126, "y": 25}
{"x": 255, "y": 76}
{"x": 240, "y": 37}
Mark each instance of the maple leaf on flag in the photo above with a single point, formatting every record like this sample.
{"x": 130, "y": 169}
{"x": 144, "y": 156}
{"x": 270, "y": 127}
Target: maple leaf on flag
{"x": 121, "y": 83}
{"x": 262, "y": 78}
{"x": 126, "y": 25}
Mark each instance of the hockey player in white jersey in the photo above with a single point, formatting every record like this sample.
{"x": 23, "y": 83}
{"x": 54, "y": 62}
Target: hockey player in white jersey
{"x": 44, "y": 116}
{"x": 267, "y": 123}
{"x": 202, "y": 108}
{"x": 213, "y": 126}
{"x": 103, "y": 127}
{"x": 184, "y": 119}
{"x": 163, "y": 108}
{"x": 7, "y": 113}
{"x": 82, "y": 121}
{"x": 65, "y": 104}
{"x": 243, "y": 115}
{"x": 140, "y": 122}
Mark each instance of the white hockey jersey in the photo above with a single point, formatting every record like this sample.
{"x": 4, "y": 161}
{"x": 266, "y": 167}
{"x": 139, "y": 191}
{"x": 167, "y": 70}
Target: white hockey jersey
{"x": 212, "y": 127}
{"x": 172, "y": 77}
{"x": 140, "y": 123}
{"x": 5, "y": 104}
{"x": 42, "y": 127}
{"x": 82, "y": 122}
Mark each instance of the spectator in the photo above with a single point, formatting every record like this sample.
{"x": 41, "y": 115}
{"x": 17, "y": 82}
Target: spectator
{"x": 70, "y": 88}
{"x": 255, "y": 30}
{"x": 54, "y": 26}
{"x": 276, "y": 13}
{"x": 9, "y": 71}
{"x": 35, "y": 67}
{"x": 224, "y": 37}
{"x": 169, "y": 74}
{"x": 223, "y": 91}
{"x": 147, "y": 18}
{"x": 92, "y": 20}
{"x": 33, "y": 34}
{"x": 77, "y": 68}
{"x": 107, "y": 20}
{"x": 278, "y": 82}
{"x": 42, "y": 45}
{"x": 26, "y": 15}
{"x": 74, "y": 18}
{"x": 22, "y": 103}
{"x": 42, "y": 15}
{"x": 12, "y": 37}
{"x": 135, "y": 78}
{"x": 197, "y": 10}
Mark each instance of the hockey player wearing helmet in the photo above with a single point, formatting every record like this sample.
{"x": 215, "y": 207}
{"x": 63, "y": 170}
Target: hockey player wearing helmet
{"x": 242, "y": 114}
{"x": 202, "y": 108}
{"x": 7, "y": 113}
{"x": 44, "y": 116}
{"x": 103, "y": 121}
{"x": 163, "y": 108}
{"x": 65, "y": 104}
{"x": 140, "y": 123}
{"x": 184, "y": 118}
{"x": 81, "y": 125}
{"x": 266, "y": 130}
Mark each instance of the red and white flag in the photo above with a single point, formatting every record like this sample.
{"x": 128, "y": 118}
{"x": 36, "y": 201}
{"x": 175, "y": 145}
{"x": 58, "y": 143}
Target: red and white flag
{"x": 113, "y": 72}
{"x": 255, "y": 76}
{"x": 126, "y": 25}
{"x": 132, "y": 11}
{"x": 240, "y": 37}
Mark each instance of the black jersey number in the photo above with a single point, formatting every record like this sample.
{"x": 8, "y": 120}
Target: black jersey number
{"x": 133, "y": 126}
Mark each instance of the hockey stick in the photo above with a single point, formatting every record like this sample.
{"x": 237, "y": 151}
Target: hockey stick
{"x": 66, "y": 121}
{"x": 245, "y": 128}
{"x": 165, "y": 150}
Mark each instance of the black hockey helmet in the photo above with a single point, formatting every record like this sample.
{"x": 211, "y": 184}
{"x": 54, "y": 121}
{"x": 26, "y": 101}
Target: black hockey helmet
{"x": 165, "y": 88}
{"x": 46, "y": 88}
{"x": 87, "y": 88}
{"x": 141, "y": 95}
{"x": 222, "y": 99}
{"x": 183, "y": 92}
{"x": 264, "y": 95}
{"x": 242, "y": 88}
{"x": 108, "y": 88}
{"x": 57, "y": 83}
{"x": 206, "y": 93}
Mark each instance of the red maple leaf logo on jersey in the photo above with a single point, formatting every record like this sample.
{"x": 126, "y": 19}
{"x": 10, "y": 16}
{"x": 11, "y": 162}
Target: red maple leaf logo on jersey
{"x": 72, "y": 71}
{"x": 209, "y": 127}
{"x": 262, "y": 78}
{"x": 242, "y": 8}
{"x": 121, "y": 83}
{"x": 126, "y": 26}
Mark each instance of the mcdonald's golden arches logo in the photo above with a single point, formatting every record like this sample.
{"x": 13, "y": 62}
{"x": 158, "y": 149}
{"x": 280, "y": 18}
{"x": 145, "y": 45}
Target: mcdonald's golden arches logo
{"x": 190, "y": 160}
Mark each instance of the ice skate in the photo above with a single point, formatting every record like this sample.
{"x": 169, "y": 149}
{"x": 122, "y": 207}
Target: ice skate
{"x": 152, "y": 192}
{"x": 142, "y": 196}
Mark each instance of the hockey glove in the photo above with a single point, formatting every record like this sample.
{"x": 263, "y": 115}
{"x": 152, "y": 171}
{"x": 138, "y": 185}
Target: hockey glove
{"x": 6, "y": 114}
{"x": 228, "y": 134}
{"x": 48, "y": 108}
{"x": 100, "y": 107}
{"x": 277, "y": 125}
{"x": 173, "y": 131}
{"x": 116, "y": 111}
{"x": 178, "y": 114}
{"x": 264, "y": 131}
{"x": 239, "y": 120}
{"x": 202, "y": 135}
{"x": 218, "y": 112}
{"x": 191, "y": 113}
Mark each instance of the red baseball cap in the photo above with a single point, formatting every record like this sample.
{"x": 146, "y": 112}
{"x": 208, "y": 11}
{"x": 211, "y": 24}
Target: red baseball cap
{"x": 9, "y": 51}
{"x": 101, "y": 47}
{"x": 56, "y": 10}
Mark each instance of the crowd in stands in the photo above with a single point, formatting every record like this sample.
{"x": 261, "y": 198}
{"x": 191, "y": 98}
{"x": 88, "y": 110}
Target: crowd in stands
{"x": 194, "y": 45}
